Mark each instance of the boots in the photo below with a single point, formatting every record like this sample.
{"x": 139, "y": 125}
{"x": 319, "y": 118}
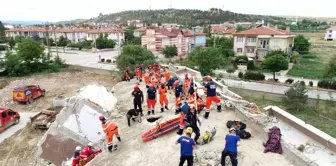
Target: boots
{"x": 153, "y": 111}
{"x": 148, "y": 113}
{"x": 166, "y": 107}
{"x": 110, "y": 148}
{"x": 162, "y": 110}
{"x": 219, "y": 108}
{"x": 206, "y": 115}
{"x": 179, "y": 132}
{"x": 119, "y": 139}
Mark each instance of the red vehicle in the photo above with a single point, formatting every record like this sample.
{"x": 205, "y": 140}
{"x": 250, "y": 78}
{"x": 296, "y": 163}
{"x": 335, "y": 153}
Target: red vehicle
{"x": 8, "y": 118}
{"x": 28, "y": 93}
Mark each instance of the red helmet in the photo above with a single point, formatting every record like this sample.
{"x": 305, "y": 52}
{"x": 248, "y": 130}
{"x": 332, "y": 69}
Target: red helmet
{"x": 186, "y": 74}
{"x": 101, "y": 117}
{"x": 163, "y": 83}
{"x": 151, "y": 85}
{"x": 136, "y": 87}
{"x": 176, "y": 83}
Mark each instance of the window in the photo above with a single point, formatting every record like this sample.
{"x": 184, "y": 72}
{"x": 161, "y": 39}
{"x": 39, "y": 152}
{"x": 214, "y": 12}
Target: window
{"x": 250, "y": 50}
{"x": 329, "y": 35}
{"x": 330, "y": 31}
{"x": 252, "y": 39}
{"x": 239, "y": 40}
{"x": 239, "y": 50}
{"x": 11, "y": 113}
{"x": 4, "y": 115}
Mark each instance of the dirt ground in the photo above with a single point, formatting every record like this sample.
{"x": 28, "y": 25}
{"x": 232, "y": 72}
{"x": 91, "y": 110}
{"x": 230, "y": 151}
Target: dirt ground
{"x": 20, "y": 149}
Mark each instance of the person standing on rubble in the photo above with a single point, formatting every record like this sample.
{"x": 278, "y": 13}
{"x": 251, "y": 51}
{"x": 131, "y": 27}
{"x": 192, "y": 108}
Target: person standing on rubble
{"x": 76, "y": 157}
{"x": 187, "y": 147}
{"x": 110, "y": 130}
{"x": 211, "y": 96}
{"x": 231, "y": 147}
{"x": 192, "y": 119}
{"x": 151, "y": 98}
{"x": 163, "y": 97}
{"x": 178, "y": 95}
{"x": 138, "y": 98}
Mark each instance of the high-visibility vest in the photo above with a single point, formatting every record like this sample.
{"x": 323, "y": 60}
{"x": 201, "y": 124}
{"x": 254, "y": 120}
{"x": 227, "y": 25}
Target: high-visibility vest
{"x": 109, "y": 126}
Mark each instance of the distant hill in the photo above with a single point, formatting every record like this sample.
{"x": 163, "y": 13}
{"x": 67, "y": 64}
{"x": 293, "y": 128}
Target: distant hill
{"x": 76, "y": 21}
{"x": 326, "y": 19}
{"x": 15, "y": 22}
{"x": 181, "y": 16}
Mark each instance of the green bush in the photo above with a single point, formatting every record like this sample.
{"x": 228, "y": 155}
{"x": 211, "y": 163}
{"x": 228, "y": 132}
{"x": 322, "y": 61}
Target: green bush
{"x": 251, "y": 65}
{"x": 3, "y": 47}
{"x": 303, "y": 83}
{"x": 241, "y": 59}
{"x": 311, "y": 84}
{"x": 240, "y": 74}
{"x": 327, "y": 84}
{"x": 249, "y": 75}
{"x": 289, "y": 81}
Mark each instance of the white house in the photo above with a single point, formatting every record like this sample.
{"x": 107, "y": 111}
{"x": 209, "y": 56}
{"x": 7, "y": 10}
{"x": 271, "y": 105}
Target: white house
{"x": 330, "y": 34}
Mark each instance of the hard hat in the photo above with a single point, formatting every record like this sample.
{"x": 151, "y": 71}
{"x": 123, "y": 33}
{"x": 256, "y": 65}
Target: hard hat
{"x": 136, "y": 87}
{"x": 163, "y": 83}
{"x": 205, "y": 137}
{"x": 186, "y": 74}
{"x": 151, "y": 85}
{"x": 78, "y": 148}
{"x": 90, "y": 144}
{"x": 232, "y": 129}
{"x": 176, "y": 83}
{"x": 101, "y": 117}
{"x": 189, "y": 130}
{"x": 192, "y": 106}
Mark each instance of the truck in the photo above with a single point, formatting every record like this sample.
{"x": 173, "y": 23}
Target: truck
{"x": 8, "y": 118}
{"x": 27, "y": 94}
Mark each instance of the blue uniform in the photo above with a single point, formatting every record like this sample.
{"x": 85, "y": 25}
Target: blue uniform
{"x": 191, "y": 88}
{"x": 186, "y": 145}
{"x": 211, "y": 89}
{"x": 231, "y": 143}
{"x": 178, "y": 91}
{"x": 151, "y": 93}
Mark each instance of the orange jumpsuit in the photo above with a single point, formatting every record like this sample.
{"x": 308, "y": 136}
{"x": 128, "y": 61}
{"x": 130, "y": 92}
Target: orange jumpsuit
{"x": 110, "y": 130}
{"x": 186, "y": 85}
{"x": 167, "y": 75}
{"x": 182, "y": 119}
{"x": 200, "y": 104}
{"x": 147, "y": 79}
{"x": 163, "y": 97}
{"x": 155, "y": 83}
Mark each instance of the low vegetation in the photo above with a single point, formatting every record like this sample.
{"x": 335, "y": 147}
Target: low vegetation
{"x": 251, "y": 75}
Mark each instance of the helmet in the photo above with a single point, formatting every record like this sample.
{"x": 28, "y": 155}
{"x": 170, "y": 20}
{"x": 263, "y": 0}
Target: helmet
{"x": 163, "y": 84}
{"x": 136, "y": 87}
{"x": 189, "y": 130}
{"x": 151, "y": 85}
{"x": 176, "y": 83}
{"x": 90, "y": 144}
{"x": 78, "y": 148}
{"x": 232, "y": 129}
{"x": 101, "y": 117}
{"x": 186, "y": 74}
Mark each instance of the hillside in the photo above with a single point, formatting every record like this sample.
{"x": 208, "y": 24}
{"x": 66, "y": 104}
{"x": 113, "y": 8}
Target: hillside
{"x": 181, "y": 16}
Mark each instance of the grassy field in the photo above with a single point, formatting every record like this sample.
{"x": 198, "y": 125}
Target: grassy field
{"x": 320, "y": 40}
{"x": 312, "y": 66}
{"x": 309, "y": 115}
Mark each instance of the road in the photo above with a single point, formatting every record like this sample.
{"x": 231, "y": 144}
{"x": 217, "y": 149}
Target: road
{"x": 274, "y": 88}
{"x": 13, "y": 129}
{"x": 88, "y": 59}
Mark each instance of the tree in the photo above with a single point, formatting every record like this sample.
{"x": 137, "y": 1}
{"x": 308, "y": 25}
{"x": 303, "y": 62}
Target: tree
{"x": 36, "y": 38}
{"x": 63, "y": 42}
{"x": 129, "y": 36}
{"x": 251, "y": 65}
{"x": 301, "y": 44}
{"x": 104, "y": 42}
{"x": 240, "y": 28}
{"x": 230, "y": 70}
{"x": 275, "y": 63}
{"x": 296, "y": 96}
{"x": 170, "y": 51}
{"x": 29, "y": 50}
{"x": 330, "y": 70}
{"x": 2, "y": 33}
{"x": 296, "y": 57}
{"x": 18, "y": 39}
{"x": 11, "y": 43}
{"x": 208, "y": 59}
{"x": 276, "y": 52}
{"x": 50, "y": 41}
{"x": 134, "y": 54}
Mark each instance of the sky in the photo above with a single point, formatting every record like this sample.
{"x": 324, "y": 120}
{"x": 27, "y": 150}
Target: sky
{"x": 61, "y": 10}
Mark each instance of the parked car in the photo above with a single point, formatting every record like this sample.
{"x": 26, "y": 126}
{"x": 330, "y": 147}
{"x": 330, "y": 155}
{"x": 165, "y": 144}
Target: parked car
{"x": 8, "y": 118}
{"x": 28, "y": 93}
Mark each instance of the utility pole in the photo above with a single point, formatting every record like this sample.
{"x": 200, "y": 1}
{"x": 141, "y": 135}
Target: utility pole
{"x": 47, "y": 39}
{"x": 55, "y": 41}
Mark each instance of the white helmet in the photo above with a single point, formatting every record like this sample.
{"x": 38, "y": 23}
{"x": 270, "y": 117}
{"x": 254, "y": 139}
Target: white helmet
{"x": 78, "y": 148}
{"x": 90, "y": 144}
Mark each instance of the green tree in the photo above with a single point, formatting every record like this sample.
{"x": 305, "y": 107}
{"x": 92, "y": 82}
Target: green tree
{"x": 276, "y": 52}
{"x": 134, "y": 54}
{"x": 50, "y": 41}
{"x": 36, "y": 38}
{"x": 129, "y": 36}
{"x": 63, "y": 42}
{"x": 251, "y": 65}
{"x": 18, "y": 39}
{"x": 208, "y": 59}
{"x": 104, "y": 42}
{"x": 230, "y": 70}
{"x": 330, "y": 70}
{"x": 301, "y": 44}
{"x": 296, "y": 97}
{"x": 240, "y": 28}
{"x": 207, "y": 31}
{"x": 170, "y": 51}
{"x": 275, "y": 63}
{"x": 296, "y": 57}
{"x": 29, "y": 50}
{"x": 11, "y": 43}
{"x": 2, "y": 33}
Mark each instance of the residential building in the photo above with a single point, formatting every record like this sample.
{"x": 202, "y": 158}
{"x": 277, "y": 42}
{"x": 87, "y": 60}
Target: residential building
{"x": 139, "y": 32}
{"x": 8, "y": 26}
{"x": 222, "y": 31}
{"x": 257, "y": 42}
{"x": 244, "y": 24}
{"x": 155, "y": 39}
{"x": 73, "y": 34}
{"x": 136, "y": 23}
{"x": 330, "y": 34}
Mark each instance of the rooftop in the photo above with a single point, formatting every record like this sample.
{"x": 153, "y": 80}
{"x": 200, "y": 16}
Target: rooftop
{"x": 264, "y": 30}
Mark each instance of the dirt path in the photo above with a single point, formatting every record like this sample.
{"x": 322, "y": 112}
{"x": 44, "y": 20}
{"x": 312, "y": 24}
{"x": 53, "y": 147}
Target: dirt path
{"x": 20, "y": 148}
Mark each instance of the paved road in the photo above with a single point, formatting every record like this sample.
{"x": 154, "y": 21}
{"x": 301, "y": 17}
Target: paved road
{"x": 274, "y": 88}
{"x": 88, "y": 59}
{"x": 13, "y": 129}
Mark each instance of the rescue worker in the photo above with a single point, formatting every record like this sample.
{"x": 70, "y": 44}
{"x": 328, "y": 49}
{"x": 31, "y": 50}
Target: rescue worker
{"x": 170, "y": 83}
{"x": 187, "y": 146}
{"x": 155, "y": 83}
{"x": 192, "y": 119}
{"x": 147, "y": 78}
{"x": 138, "y": 98}
{"x": 110, "y": 129}
{"x": 230, "y": 148}
{"x": 163, "y": 97}
{"x": 200, "y": 104}
{"x": 132, "y": 114}
{"x": 178, "y": 95}
{"x": 166, "y": 74}
{"x": 76, "y": 157}
{"x": 151, "y": 99}
{"x": 186, "y": 84}
{"x": 140, "y": 74}
{"x": 211, "y": 97}
{"x": 127, "y": 74}
{"x": 142, "y": 67}
{"x": 87, "y": 151}
{"x": 183, "y": 109}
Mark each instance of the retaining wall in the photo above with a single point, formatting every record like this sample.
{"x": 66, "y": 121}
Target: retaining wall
{"x": 94, "y": 70}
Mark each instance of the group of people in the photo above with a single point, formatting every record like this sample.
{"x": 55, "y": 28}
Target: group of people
{"x": 84, "y": 154}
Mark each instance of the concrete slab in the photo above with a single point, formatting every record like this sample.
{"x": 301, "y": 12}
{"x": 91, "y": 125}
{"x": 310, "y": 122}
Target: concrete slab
{"x": 13, "y": 129}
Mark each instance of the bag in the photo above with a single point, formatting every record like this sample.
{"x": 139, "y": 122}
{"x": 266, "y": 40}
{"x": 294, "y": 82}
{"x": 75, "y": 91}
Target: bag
{"x": 238, "y": 125}
{"x": 243, "y": 134}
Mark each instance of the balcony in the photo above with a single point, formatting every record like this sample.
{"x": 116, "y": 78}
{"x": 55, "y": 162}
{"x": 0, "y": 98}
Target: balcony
{"x": 266, "y": 47}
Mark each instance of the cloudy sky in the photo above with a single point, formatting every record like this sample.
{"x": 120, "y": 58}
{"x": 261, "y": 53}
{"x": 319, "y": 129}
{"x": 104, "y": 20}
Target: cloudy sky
{"x": 59, "y": 10}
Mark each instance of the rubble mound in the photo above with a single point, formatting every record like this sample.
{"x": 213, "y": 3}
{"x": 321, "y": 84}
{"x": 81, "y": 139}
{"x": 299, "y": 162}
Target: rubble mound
{"x": 212, "y": 158}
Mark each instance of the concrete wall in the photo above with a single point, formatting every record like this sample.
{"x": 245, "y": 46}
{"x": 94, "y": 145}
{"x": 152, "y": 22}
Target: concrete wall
{"x": 94, "y": 70}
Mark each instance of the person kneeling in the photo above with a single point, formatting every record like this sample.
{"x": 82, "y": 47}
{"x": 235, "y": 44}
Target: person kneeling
{"x": 132, "y": 114}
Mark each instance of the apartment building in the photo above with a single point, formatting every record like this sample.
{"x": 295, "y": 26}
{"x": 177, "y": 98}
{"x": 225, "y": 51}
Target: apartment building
{"x": 139, "y": 32}
{"x": 257, "y": 42}
{"x": 155, "y": 39}
{"x": 330, "y": 34}
{"x": 73, "y": 34}
{"x": 222, "y": 31}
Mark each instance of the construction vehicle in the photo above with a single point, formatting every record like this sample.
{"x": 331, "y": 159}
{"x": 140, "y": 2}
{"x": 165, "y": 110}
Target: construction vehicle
{"x": 43, "y": 119}
{"x": 8, "y": 118}
{"x": 27, "y": 94}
